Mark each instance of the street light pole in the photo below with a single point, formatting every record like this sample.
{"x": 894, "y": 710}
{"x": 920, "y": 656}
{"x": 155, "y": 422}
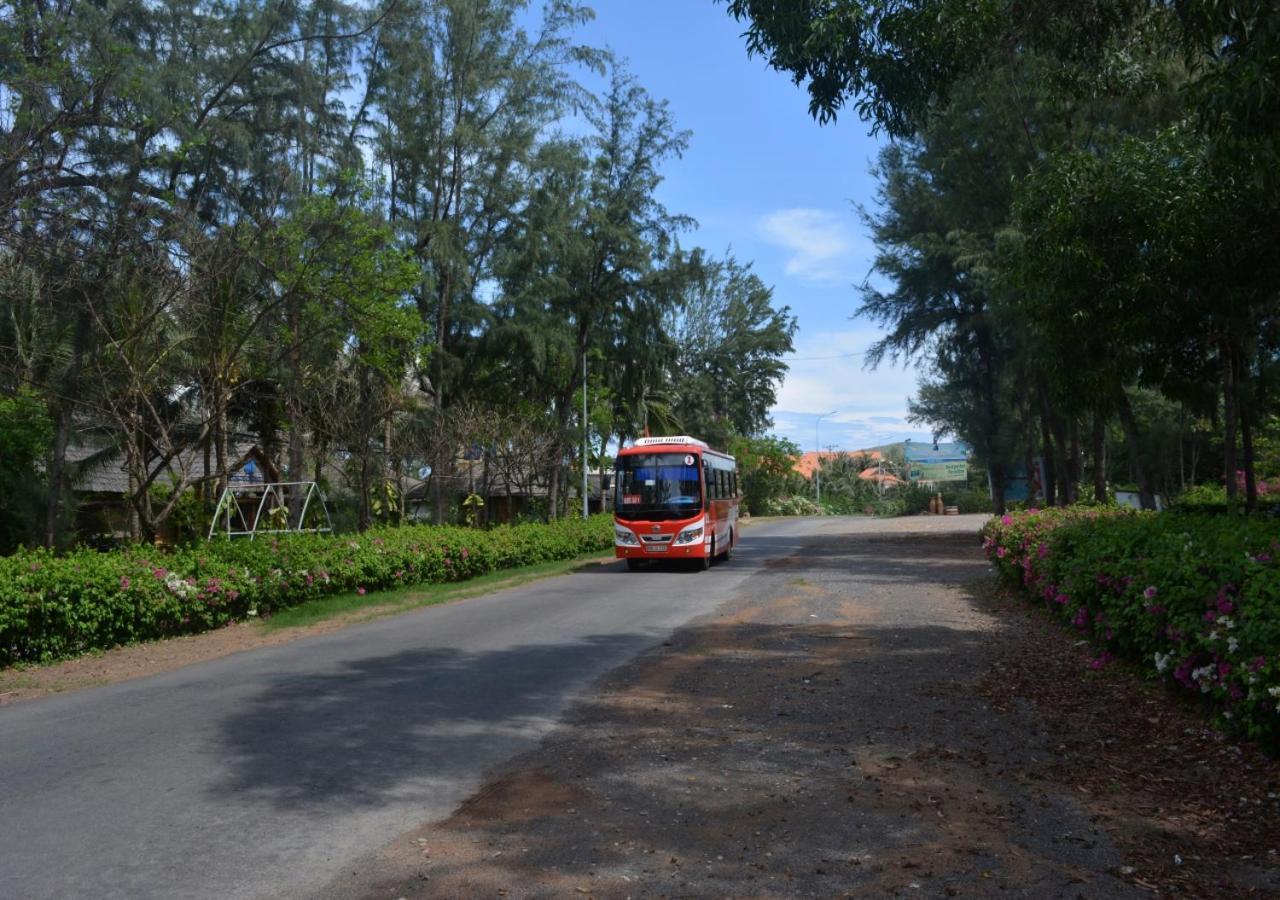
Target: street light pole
{"x": 586, "y": 508}
{"x": 817, "y": 457}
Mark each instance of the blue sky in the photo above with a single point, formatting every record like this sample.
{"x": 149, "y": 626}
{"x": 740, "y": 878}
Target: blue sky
{"x": 763, "y": 178}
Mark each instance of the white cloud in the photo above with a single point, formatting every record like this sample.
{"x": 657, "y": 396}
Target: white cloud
{"x": 827, "y": 374}
{"x": 822, "y": 244}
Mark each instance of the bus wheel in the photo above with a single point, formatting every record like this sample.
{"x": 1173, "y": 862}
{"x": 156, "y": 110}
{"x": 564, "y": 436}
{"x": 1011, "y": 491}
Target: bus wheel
{"x": 702, "y": 563}
{"x": 728, "y": 551}
{"x": 634, "y": 565}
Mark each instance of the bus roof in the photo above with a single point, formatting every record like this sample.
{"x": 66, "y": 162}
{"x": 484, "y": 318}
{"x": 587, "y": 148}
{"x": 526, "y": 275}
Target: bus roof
{"x": 672, "y": 443}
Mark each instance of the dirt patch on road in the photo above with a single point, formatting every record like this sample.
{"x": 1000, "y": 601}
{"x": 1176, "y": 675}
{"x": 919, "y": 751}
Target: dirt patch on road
{"x": 848, "y": 728}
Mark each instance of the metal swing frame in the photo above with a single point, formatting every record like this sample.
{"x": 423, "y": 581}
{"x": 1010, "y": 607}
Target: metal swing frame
{"x": 272, "y": 489}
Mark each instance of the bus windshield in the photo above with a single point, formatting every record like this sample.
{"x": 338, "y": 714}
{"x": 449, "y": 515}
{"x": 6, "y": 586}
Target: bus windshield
{"x": 658, "y": 485}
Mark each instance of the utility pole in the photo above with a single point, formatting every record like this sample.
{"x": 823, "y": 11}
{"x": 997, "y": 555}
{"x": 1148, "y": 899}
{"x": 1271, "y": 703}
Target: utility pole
{"x": 586, "y": 508}
{"x": 817, "y": 462}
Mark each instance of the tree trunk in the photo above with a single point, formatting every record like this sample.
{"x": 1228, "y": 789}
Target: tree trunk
{"x": 991, "y": 419}
{"x": 1146, "y": 497}
{"x": 57, "y": 473}
{"x": 220, "y": 438}
{"x": 995, "y": 476}
{"x": 59, "y": 490}
{"x": 1246, "y": 449}
{"x": 1075, "y": 467}
{"x": 294, "y": 412}
{"x": 1099, "y": 450}
{"x": 1049, "y": 449}
{"x": 553, "y": 481}
{"x": 1229, "y": 413}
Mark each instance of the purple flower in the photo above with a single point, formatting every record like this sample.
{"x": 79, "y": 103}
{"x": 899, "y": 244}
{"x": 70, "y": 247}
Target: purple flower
{"x": 1150, "y": 592}
{"x": 1258, "y": 664}
{"x": 1000, "y": 551}
{"x": 124, "y": 582}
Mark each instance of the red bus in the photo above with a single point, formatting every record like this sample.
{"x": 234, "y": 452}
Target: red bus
{"x": 676, "y": 498}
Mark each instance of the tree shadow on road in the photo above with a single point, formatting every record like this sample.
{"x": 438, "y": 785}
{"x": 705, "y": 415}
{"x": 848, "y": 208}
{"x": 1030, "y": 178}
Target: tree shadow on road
{"x": 402, "y": 725}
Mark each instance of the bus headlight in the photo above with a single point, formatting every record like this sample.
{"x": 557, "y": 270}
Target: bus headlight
{"x": 624, "y": 536}
{"x": 689, "y": 535}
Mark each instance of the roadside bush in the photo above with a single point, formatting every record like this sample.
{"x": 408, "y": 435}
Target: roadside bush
{"x": 791, "y": 506}
{"x": 968, "y": 499}
{"x": 1212, "y": 498}
{"x": 1192, "y": 599}
{"x": 53, "y": 607}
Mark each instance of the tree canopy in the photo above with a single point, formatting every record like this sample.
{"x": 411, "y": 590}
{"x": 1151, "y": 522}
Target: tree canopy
{"x": 374, "y": 243}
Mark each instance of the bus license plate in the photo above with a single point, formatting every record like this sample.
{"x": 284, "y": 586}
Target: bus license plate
{"x": 656, "y": 548}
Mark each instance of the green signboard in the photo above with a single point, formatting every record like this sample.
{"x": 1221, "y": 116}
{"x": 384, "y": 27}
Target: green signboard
{"x": 939, "y": 470}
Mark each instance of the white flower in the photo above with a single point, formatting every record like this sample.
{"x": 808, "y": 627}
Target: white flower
{"x": 1226, "y": 622}
{"x": 1232, "y": 645}
{"x": 1203, "y": 675}
{"x": 1162, "y": 661}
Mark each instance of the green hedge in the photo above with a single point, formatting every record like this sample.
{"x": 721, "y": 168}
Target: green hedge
{"x": 1193, "y": 599}
{"x": 53, "y": 607}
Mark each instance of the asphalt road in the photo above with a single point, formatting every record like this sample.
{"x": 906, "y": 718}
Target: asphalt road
{"x": 262, "y": 774}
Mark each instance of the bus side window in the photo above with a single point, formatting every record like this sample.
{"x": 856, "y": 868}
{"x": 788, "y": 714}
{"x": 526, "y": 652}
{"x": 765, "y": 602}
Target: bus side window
{"x": 733, "y": 484}
{"x": 724, "y": 484}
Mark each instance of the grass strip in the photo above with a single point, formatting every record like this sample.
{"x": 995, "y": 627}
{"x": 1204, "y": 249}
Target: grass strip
{"x": 377, "y": 604}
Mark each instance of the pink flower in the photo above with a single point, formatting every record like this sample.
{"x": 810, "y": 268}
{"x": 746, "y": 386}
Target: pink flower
{"x": 1258, "y": 664}
{"x": 1150, "y": 592}
{"x": 1000, "y": 552}
{"x": 1006, "y": 519}
{"x": 360, "y": 591}
{"x": 124, "y": 582}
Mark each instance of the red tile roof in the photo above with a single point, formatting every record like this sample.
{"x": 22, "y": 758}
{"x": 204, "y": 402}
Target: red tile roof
{"x": 805, "y": 463}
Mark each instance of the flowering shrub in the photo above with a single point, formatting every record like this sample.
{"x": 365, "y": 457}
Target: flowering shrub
{"x": 1194, "y": 599}
{"x": 53, "y": 607}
